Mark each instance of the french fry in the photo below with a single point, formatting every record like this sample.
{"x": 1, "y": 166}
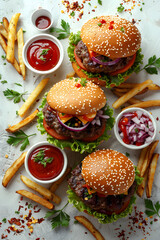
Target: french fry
{"x": 13, "y": 169}
{"x": 87, "y": 224}
{"x": 145, "y": 104}
{"x": 132, "y": 100}
{"x": 30, "y": 100}
{"x": 152, "y": 86}
{"x": 3, "y": 31}
{"x": 23, "y": 123}
{"x": 131, "y": 94}
{"x": 142, "y": 158}
{"x": 71, "y": 74}
{"x": 148, "y": 157}
{"x": 141, "y": 187}
{"x": 151, "y": 173}
{"x": 4, "y": 46}
{"x": 20, "y": 42}
{"x": 11, "y": 37}
{"x": 5, "y": 23}
{"x": 56, "y": 184}
{"x": 36, "y": 198}
{"x": 125, "y": 90}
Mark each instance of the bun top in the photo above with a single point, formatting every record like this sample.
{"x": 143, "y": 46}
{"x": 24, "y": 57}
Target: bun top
{"x": 108, "y": 172}
{"x": 111, "y": 36}
{"x": 76, "y": 96}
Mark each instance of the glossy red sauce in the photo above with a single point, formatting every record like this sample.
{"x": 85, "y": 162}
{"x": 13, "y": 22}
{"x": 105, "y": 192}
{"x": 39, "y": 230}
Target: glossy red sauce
{"x": 52, "y": 169}
{"x": 43, "y": 54}
{"x": 42, "y": 22}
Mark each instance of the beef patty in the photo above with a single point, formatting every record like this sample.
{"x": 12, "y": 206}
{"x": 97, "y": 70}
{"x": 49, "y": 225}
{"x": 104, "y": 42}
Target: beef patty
{"x": 50, "y": 116}
{"x": 91, "y": 66}
{"x": 106, "y": 205}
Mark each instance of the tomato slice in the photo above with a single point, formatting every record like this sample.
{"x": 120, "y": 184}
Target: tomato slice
{"x": 53, "y": 133}
{"x": 92, "y": 53}
{"x": 78, "y": 60}
{"x": 91, "y": 139}
{"x": 125, "y": 68}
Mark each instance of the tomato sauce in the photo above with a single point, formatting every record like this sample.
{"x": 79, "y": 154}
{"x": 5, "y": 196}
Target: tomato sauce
{"x": 42, "y": 22}
{"x": 43, "y": 54}
{"x": 52, "y": 169}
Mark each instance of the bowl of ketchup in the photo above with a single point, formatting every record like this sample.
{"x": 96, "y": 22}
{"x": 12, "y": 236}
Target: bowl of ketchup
{"x": 43, "y": 54}
{"x": 45, "y": 163}
{"x": 42, "y": 19}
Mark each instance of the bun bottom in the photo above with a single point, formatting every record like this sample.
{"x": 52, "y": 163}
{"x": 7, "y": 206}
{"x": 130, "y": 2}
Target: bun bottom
{"x": 95, "y": 80}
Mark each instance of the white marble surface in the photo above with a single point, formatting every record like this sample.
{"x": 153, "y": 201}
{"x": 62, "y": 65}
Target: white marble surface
{"x": 149, "y": 25}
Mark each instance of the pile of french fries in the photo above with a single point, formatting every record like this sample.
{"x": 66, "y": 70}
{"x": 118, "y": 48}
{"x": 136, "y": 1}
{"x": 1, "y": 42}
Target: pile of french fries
{"x": 8, "y": 36}
{"x": 127, "y": 92}
{"x": 147, "y": 166}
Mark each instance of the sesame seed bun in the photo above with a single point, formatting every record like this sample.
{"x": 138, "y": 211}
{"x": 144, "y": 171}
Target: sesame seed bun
{"x": 108, "y": 172}
{"x": 66, "y": 97}
{"x": 122, "y": 41}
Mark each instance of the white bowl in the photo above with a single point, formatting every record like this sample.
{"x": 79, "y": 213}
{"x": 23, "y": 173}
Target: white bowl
{"x": 45, "y": 181}
{"x": 38, "y": 13}
{"x": 39, "y": 37}
{"x": 116, "y": 132}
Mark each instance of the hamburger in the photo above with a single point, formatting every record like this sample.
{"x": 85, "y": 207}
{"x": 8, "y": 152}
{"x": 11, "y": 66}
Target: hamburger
{"x": 75, "y": 115}
{"x": 106, "y": 51}
{"x": 103, "y": 185}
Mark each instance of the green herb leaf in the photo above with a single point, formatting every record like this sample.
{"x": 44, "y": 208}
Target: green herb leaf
{"x": 61, "y": 219}
{"x": 44, "y": 52}
{"x": 120, "y": 8}
{"x": 122, "y": 29}
{"x": 127, "y": 154}
{"x": 17, "y": 212}
{"x": 40, "y": 157}
{"x": 3, "y": 57}
{"x": 4, "y": 81}
{"x": 99, "y": 24}
{"x": 18, "y": 84}
{"x": 136, "y": 130}
{"x": 151, "y": 209}
{"x": 4, "y": 220}
{"x": 16, "y": 96}
{"x": 100, "y": 2}
{"x": 151, "y": 70}
{"x": 43, "y": 59}
{"x": 140, "y": 9}
{"x": 83, "y": 82}
{"x": 29, "y": 205}
{"x": 24, "y": 31}
{"x": 19, "y": 138}
{"x": 149, "y": 213}
{"x": 153, "y": 65}
{"x": 72, "y": 13}
{"x": 64, "y": 32}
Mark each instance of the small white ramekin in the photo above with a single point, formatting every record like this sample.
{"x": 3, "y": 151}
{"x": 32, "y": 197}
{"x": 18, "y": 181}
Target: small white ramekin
{"x": 40, "y": 37}
{"x": 116, "y": 129}
{"x": 45, "y": 181}
{"x": 41, "y": 12}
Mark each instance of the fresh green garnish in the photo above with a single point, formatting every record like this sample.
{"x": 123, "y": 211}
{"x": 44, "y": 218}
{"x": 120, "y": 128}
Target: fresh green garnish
{"x": 83, "y": 82}
{"x": 122, "y": 29}
{"x": 0, "y": 76}
{"x": 153, "y": 65}
{"x": 76, "y": 222}
{"x": 120, "y": 8}
{"x": 136, "y": 130}
{"x": 72, "y": 13}
{"x": 19, "y": 138}
{"x": 3, "y": 57}
{"x": 24, "y": 31}
{"x": 61, "y": 219}
{"x": 4, "y": 220}
{"x": 4, "y": 81}
{"x": 76, "y": 79}
{"x": 100, "y": 2}
{"x": 17, "y": 212}
{"x": 94, "y": 17}
{"x": 17, "y": 113}
{"x": 43, "y": 59}
{"x": 18, "y": 84}
{"x": 151, "y": 208}
{"x": 127, "y": 154}
{"x": 89, "y": 4}
{"x": 140, "y": 9}
{"x": 99, "y": 24}
{"x": 44, "y": 52}
{"x": 29, "y": 205}
{"x": 11, "y": 94}
{"x": 87, "y": 195}
{"x": 4, "y": 63}
{"x": 63, "y": 33}
{"x": 40, "y": 157}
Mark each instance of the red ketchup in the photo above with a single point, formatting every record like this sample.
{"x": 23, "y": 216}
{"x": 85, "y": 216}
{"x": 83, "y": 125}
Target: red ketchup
{"x": 52, "y": 168}
{"x": 43, "y": 54}
{"x": 42, "y": 22}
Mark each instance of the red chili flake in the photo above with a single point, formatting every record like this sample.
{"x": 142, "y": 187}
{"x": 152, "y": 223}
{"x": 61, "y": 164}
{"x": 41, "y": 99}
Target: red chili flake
{"x": 35, "y": 207}
{"x": 102, "y": 21}
{"x": 21, "y": 198}
{"x": 157, "y": 118}
{"x": 40, "y": 220}
{"x": 133, "y": 21}
{"x": 155, "y": 219}
{"x": 37, "y": 238}
{"x": 3, "y": 236}
{"x": 20, "y": 208}
{"x": 93, "y": 10}
{"x": 111, "y": 25}
{"x": 78, "y": 85}
{"x": 36, "y": 211}
{"x": 14, "y": 221}
{"x": 8, "y": 230}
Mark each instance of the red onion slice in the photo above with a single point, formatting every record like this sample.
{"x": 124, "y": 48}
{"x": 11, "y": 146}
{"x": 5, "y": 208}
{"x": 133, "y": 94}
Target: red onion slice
{"x": 105, "y": 63}
{"x": 72, "y": 128}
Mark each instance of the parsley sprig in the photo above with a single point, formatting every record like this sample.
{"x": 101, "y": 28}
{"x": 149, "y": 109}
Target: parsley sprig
{"x": 64, "y": 32}
{"x": 152, "y": 209}
{"x": 100, "y": 2}
{"x": 61, "y": 219}
{"x": 40, "y": 157}
{"x": 43, "y": 53}
{"x": 152, "y": 66}
{"x": 120, "y": 8}
{"x": 16, "y": 96}
{"x": 19, "y": 138}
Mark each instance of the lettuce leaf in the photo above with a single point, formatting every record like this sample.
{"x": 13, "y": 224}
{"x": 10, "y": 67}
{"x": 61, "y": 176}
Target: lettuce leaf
{"x": 116, "y": 80}
{"x": 103, "y": 218}
{"x": 76, "y": 145}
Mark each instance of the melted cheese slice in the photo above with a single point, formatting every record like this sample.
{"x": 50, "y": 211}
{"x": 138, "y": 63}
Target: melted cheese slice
{"x": 81, "y": 118}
